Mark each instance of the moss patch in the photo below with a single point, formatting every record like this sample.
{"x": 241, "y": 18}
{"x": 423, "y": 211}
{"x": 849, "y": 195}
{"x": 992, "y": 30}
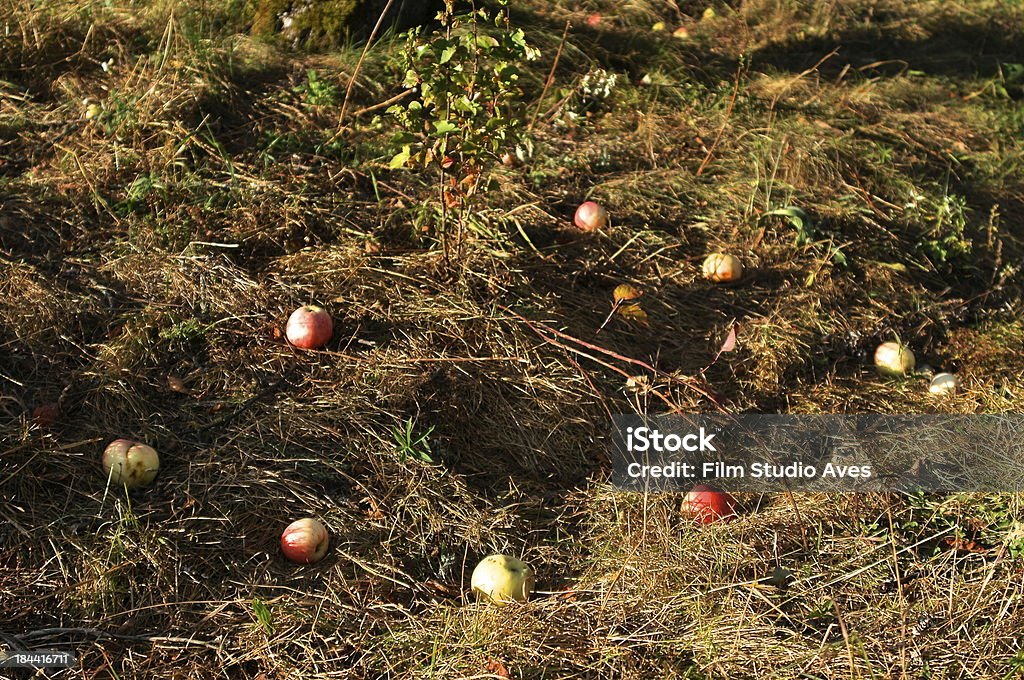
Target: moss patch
{"x": 324, "y": 24}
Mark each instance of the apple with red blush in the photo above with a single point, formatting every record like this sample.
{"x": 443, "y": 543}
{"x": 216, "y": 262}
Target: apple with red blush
{"x": 305, "y": 541}
{"x": 706, "y": 505}
{"x": 591, "y": 216}
{"x": 309, "y": 327}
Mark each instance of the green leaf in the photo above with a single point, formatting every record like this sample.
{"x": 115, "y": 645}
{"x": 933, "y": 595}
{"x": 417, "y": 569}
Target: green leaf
{"x": 444, "y": 127}
{"x": 263, "y": 615}
{"x": 447, "y": 54}
{"x": 1013, "y": 73}
{"x": 401, "y": 159}
{"x": 403, "y": 139}
{"x": 799, "y": 219}
{"x": 464, "y": 104}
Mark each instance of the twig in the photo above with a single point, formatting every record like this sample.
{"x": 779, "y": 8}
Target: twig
{"x": 615, "y": 308}
{"x": 387, "y": 102}
{"x": 359, "y": 64}
{"x": 551, "y": 76}
{"x": 721, "y": 130}
{"x": 846, "y": 639}
{"x": 102, "y": 634}
{"x": 543, "y": 330}
{"x": 574, "y": 350}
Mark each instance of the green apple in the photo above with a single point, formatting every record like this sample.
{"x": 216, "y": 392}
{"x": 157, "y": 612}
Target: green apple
{"x": 502, "y": 579}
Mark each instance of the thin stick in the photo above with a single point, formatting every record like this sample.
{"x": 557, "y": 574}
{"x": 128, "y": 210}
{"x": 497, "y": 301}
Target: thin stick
{"x": 615, "y": 308}
{"x": 387, "y": 102}
{"x": 721, "y": 130}
{"x": 551, "y": 76}
{"x": 675, "y": 408}
{"x": 359, "y": 64}
{"x": 542, "y": 330}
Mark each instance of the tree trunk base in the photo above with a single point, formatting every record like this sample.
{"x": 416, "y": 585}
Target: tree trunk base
{"x": 325, "y": 24}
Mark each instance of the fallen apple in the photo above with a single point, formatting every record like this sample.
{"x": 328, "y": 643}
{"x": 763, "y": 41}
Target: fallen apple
{"x": 892, "y": 359}
{"x": 130, "y": 463}
{"x": 309, "y": 327}
{"x": 722, "y": 268}
{"x": 681, "y": 33}
{"x": 590, "y": 216}
{"x": 625, "y": 292}
{"x": 944, "y": 384}
{"x": 594, "y": 19}
{"x": 305, "y": 541}
{"x": 501, "y": 579}
{"x": 92, "y": 109}
{"x": 705, "y": 505}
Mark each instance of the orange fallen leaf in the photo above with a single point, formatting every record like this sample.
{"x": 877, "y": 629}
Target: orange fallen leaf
{"x": 964, "y": 545}
{"x": 497, "y": 668}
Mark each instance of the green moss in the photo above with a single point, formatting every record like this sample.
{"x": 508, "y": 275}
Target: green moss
{"x": 323, "y": 24}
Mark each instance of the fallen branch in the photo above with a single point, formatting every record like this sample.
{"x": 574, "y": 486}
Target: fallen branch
{"x": 546, "y": 331}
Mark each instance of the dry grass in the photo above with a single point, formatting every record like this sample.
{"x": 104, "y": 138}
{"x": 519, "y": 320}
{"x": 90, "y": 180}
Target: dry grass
{"x": 149, "y": 256}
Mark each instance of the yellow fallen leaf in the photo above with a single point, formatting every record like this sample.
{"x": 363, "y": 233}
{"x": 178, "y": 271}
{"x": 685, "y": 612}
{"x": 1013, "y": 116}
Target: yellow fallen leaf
{"x": 634, "y": 313}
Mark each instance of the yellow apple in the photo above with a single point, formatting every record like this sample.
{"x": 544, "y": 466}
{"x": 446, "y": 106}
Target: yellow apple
{"x": 944, "y": 384}
{"x": 502, "y": 579}
{"x": 130, "y": 463}
{"x": 722, "y": 268}
{"x": 894, "y": 360}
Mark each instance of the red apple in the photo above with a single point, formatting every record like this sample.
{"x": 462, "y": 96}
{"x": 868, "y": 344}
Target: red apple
{"x": 46, "y": 415}
{"x": 309, "y": 327}
{"x": 594, "y": 20}
{"x": 705, "y": 505}
{"x": 305, "y": 541}
{"x": 590, "y": 216}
